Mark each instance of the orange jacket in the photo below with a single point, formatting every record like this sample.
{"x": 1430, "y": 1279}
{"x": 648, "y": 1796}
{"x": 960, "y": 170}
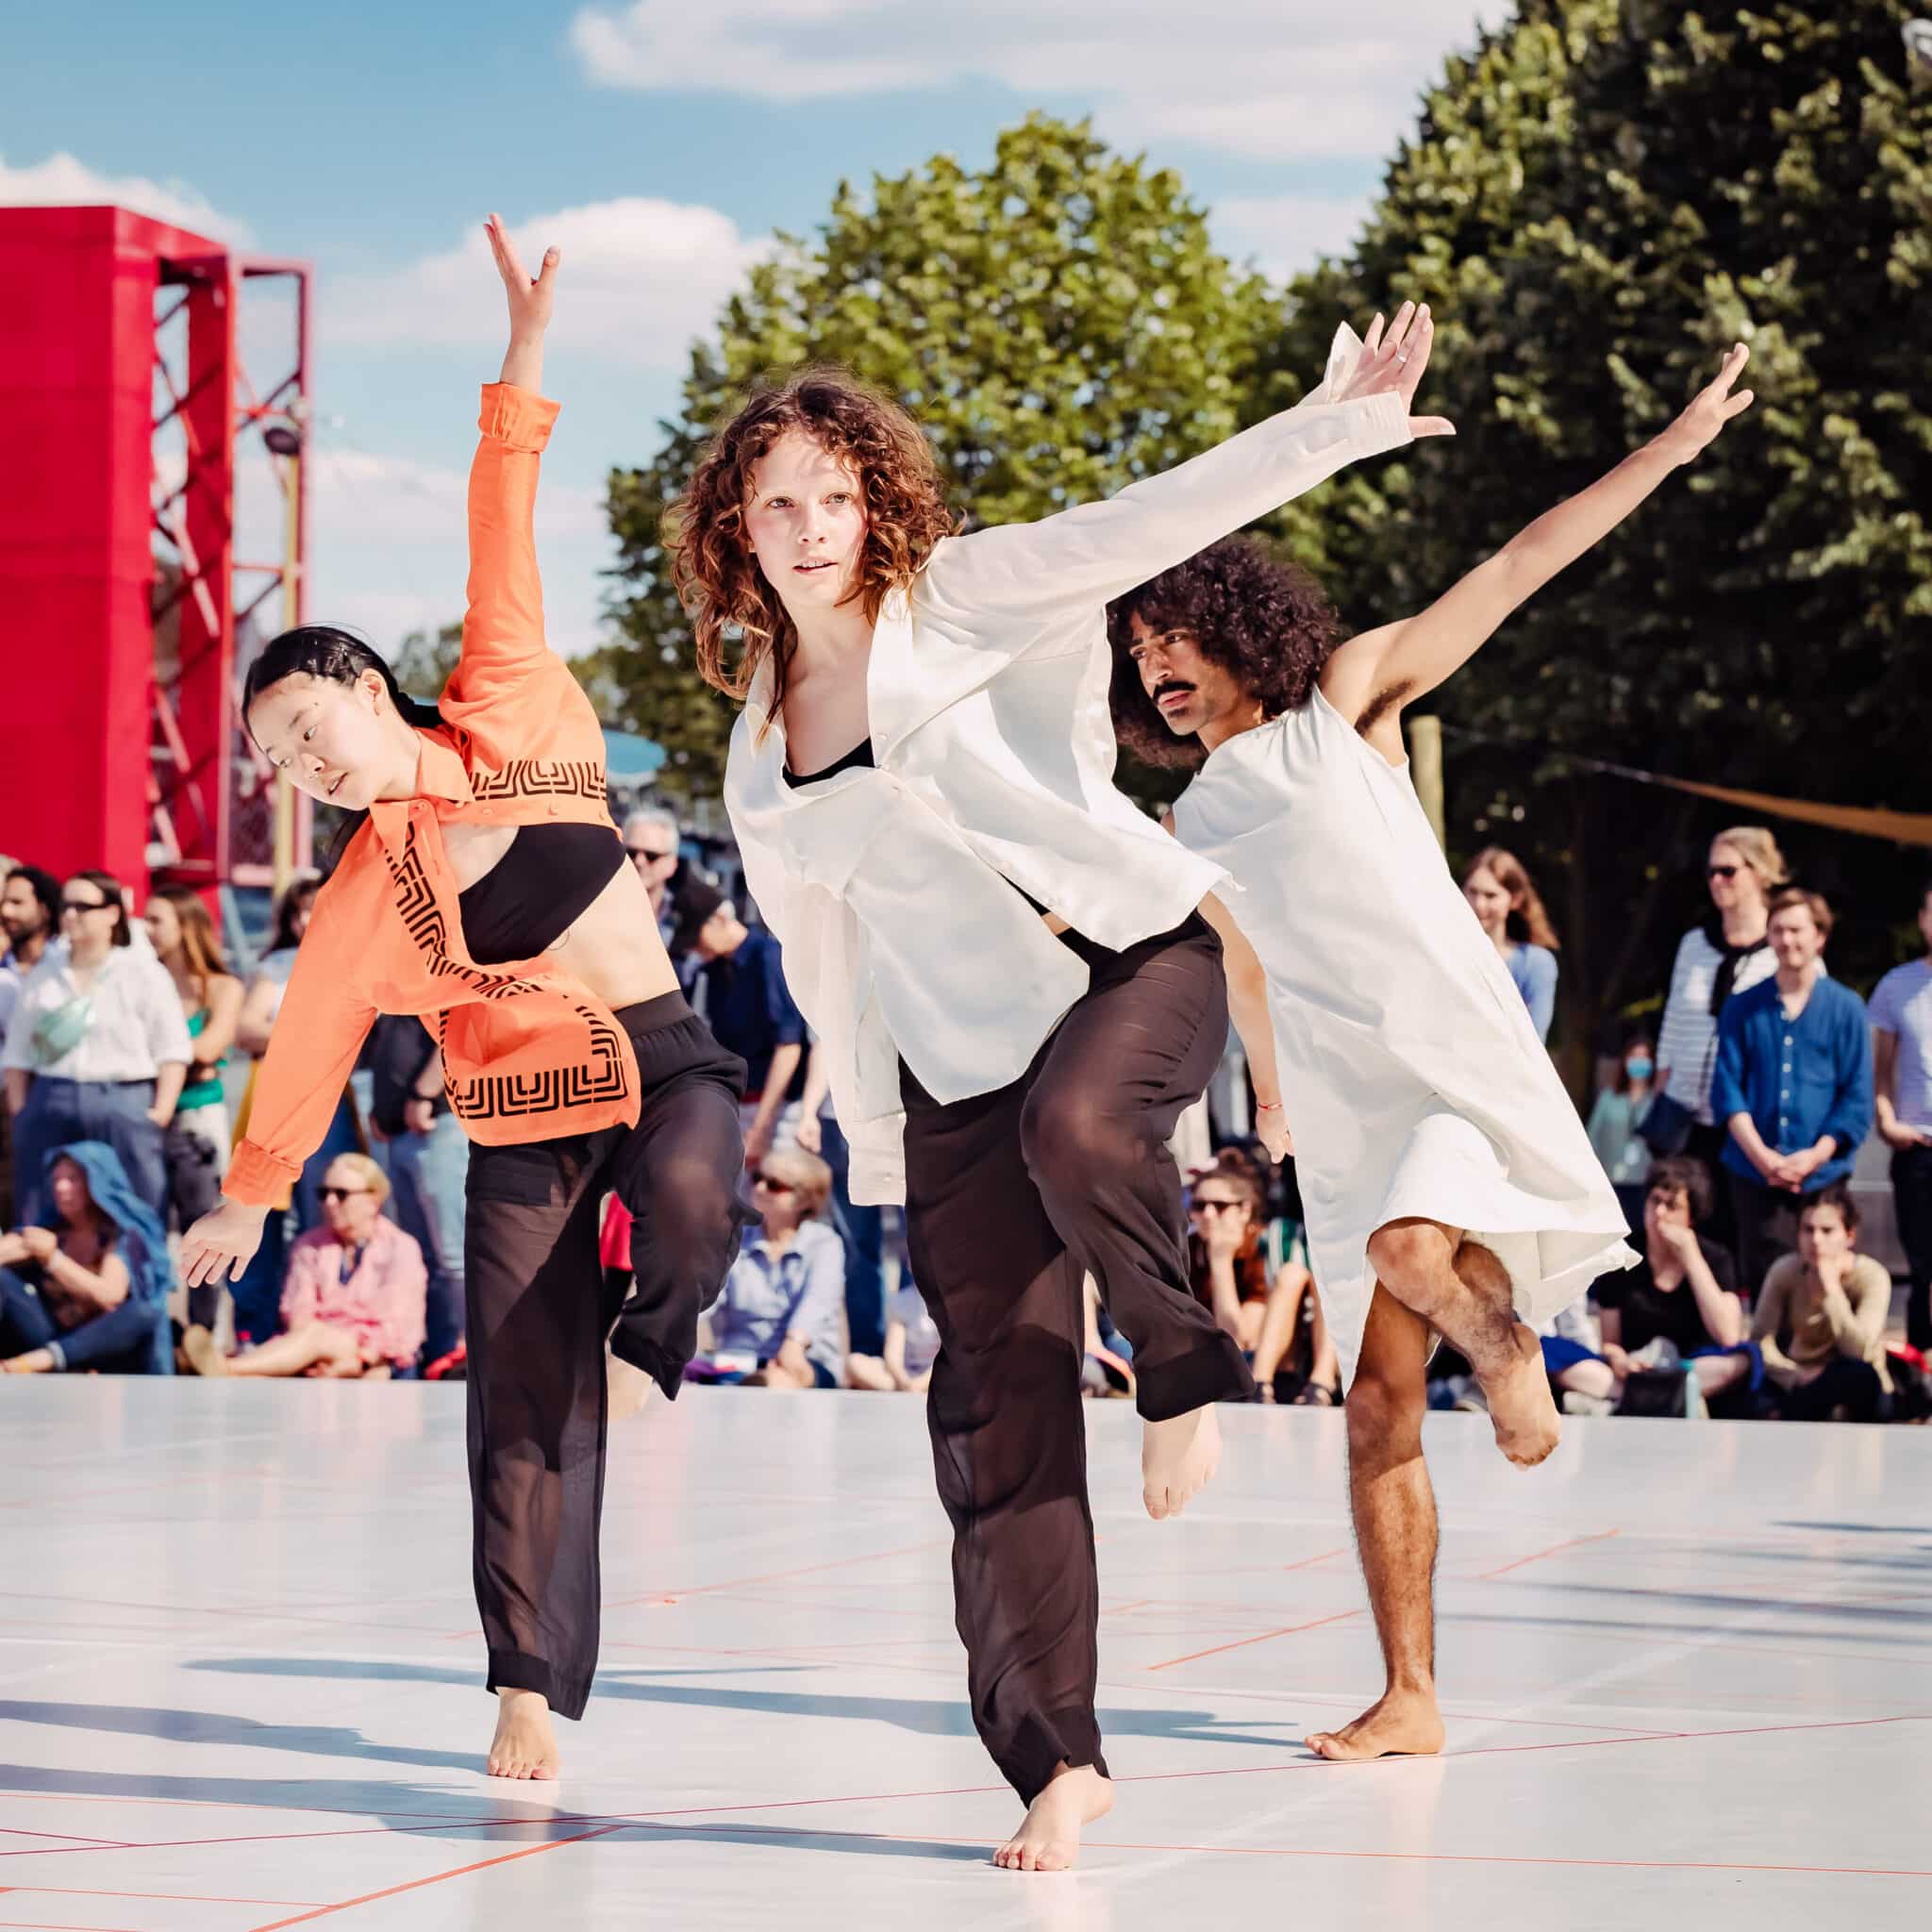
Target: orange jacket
{"x": 527, "y": 1054}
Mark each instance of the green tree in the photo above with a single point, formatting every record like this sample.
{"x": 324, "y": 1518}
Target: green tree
{"x": 1059, "y": 323}
{"x": 1598, "y": 201}
{"x": 424, "y": 660}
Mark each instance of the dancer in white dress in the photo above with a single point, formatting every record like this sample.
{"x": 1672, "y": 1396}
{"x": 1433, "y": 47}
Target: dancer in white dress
{"x": 1447, "y": 1181}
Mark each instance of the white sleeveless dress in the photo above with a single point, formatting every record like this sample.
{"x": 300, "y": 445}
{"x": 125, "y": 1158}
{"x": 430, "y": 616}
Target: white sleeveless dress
{"x": 1412, "y": 1078}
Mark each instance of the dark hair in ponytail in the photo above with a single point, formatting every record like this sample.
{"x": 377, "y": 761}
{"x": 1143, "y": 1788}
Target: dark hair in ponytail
{"x": 320, "y": 650}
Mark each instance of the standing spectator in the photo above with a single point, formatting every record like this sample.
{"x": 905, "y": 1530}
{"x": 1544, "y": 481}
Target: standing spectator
{"x": 1616, "y": 1124}
{"x": 29, "y": 918}
{"x": 1821, "y": 1321}
{"x": 736, "y": 985}
{"x": 30, "y": 921}
{"x": 87, "y": 1291}
{"x": 1507, "y": 905}
{"x": 184, "y": 941}
{"x": 861, "y": 1227}
{"x": 353, "y": 1304}
{"x": 911, "y": 1348}
{"x": 1901, "y": 1018}
{"x": 428, "y": 1165}
{"x": 1729, "y": 953}
{"x": 1794, "y": 1082}
{"x": 652, "y": 841}
{"x": 778, "y": 1318}
{"x": 258, "y": 1290}
{"x": 98, "y": 1049}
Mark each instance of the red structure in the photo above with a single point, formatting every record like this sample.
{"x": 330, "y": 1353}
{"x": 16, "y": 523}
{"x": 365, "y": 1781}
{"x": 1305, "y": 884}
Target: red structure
{"x": 129, "y": 418}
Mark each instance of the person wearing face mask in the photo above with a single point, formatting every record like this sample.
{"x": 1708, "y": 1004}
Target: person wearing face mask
{"x": 98, "y": 1049}
{"x": 482, "y": 886}
{"x": 1616, "y": 1124}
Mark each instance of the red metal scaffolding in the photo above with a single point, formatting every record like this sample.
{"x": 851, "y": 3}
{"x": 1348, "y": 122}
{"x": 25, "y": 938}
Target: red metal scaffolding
{"x": 141, "y": 447}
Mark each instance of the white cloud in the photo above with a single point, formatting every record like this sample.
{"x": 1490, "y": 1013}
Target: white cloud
{"x": 1283, "y": 234}
{"x": 63, "y": 181}
{"x": 1273, "y": 78}
{"x": 640, "y": 277}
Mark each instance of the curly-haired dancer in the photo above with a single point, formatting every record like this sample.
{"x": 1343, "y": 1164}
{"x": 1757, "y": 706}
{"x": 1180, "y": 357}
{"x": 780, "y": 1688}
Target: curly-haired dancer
{"x": 1002, "y": 958}
{"x": 486, "y": 890}
{"x": 1447, "y": 1182}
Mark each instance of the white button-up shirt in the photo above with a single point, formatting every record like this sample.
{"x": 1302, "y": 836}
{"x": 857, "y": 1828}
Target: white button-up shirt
{"x": 134, "y": 1027}
{"x": 892, "y": 887}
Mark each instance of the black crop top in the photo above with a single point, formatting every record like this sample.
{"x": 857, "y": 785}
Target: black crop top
{"x": 537, "y": 890}
{"x": 859, "y": 759}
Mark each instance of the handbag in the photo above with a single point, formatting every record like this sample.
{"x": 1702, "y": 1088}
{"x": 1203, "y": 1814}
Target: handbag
{"x": 1667, "y": 1124}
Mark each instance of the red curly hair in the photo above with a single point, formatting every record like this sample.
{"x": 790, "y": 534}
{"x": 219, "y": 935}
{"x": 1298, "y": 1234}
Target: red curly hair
{"x": 718, "y": 578}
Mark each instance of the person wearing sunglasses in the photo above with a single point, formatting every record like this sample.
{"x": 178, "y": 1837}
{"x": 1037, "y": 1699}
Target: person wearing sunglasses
{"x": 357, "y": 1294}
{"x": 1725, "y": 953}
{"x": 779, "y": 1323}
{"x": 97, "y": 1048}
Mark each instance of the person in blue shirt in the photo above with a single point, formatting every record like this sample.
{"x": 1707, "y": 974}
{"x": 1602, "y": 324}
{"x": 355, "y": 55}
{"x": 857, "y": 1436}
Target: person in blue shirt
{"x": 1792, "y": 1084}
{"x": 735, "y": 979}
{"x": 779, "y": 1323}
{"x": 1507, "y": 905}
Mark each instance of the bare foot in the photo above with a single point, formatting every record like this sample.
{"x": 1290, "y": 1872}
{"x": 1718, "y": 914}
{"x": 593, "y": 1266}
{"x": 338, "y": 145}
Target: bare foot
{"x": 1178, "y": 1458}
{"x": 1048, "y": 1838}
{"x": 1402, "y": 1724}
{"x": 525, "y": 1744}
{"x": 1520, "y": 1405}
{"x": 630, "y": 1387}
{"x": 204, "y": 1354}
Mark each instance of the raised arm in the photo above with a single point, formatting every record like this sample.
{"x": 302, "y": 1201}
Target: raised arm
{"x": 1374, "y": 675}
{"x": 1097, "y": 551}
{"x": 503, "y": 621}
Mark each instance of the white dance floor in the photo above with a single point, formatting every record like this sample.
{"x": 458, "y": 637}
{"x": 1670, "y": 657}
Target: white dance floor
{"x": 1687, "y": 1670}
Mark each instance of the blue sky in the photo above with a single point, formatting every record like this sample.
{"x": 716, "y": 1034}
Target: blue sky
{"x": 660, "y": 141}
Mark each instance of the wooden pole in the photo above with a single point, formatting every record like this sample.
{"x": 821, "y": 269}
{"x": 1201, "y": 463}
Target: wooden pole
{"x": 1426, "y": 767}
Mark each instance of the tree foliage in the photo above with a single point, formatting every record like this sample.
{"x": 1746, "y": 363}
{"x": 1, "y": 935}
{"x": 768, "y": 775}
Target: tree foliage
{"x": 1597, "y": 203}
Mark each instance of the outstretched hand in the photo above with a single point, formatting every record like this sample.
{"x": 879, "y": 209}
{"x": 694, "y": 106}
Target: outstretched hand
{"x": 1392, "y": 360}
{"x": 1710, "y": 409}
{"x": 530, "y": 297}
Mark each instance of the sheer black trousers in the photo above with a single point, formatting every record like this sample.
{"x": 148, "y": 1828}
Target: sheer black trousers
{"x": 539, "y": 1312}
{"x": 1011, "y": 1198}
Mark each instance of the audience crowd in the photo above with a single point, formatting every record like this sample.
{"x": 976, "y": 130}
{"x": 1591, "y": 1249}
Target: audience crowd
{"x": 1732, "y": 1129}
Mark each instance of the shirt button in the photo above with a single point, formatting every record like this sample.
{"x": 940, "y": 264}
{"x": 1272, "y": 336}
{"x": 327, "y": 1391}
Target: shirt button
{"x": 552, "y": 812}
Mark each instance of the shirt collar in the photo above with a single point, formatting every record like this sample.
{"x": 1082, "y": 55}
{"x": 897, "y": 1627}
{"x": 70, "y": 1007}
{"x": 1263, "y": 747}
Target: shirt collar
{"x": 441, "y": 774}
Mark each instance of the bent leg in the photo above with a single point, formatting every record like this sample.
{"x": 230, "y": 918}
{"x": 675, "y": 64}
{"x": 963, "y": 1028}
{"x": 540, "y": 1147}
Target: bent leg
{"x": 1394, "y": 1512}
{"x": 1104, "y": 1095}
{"x": 1462, "y": 1290}
{"x": 315, "y": 1346}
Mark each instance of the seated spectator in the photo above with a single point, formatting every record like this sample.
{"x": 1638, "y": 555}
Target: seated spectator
{"x": 1228, "y": 1270}
{"x": 88, "y": 1290}
{"x": 1793, "y": 1084}
{"x": 1616, "y": 1126}
{"x": 1678, "y": 1306}
{"x": 780, "y": 1322}
{"x": 1509, "y": 908}
{"x": 912, "y": 1345}
{"x": 354, "y": 1298}
{"x": 1821, "y": 1320}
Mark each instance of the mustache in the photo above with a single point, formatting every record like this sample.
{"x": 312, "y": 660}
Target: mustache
{"x": 1168, "y": 684}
